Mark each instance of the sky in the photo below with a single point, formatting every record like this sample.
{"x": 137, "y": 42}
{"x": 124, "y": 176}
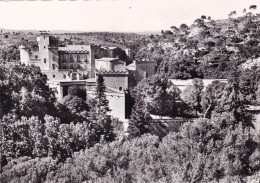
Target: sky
{"x": 113, "y": 15}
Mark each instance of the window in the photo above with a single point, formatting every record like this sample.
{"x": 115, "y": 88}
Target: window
{"x": 53, "y": 76}
{"x": 43, "y": 37}
{"x": 75, "y": 66}
{"x": 71, "y": 58}
{"x": 36, "y": 56}
{"x": 71, "y": 66}
{"x": 44, "y": 47}
{"x": 53, "y": 66}
{"x": 74, "y": 76}
{"x": 120, "y": 88}
{"x": 64, "y": 76}
{"x": 78, "y": 58}
{"x": 44, "y": 60}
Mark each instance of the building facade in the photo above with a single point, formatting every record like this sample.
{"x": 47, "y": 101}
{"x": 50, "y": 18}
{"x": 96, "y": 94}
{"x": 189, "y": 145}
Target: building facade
{"x": 58, "y": 62}
{"x": 141, "y": 69}
{"x": 79, "y": 65}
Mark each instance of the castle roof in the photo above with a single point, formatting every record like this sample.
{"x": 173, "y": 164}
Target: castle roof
{"x": 131, "y": 67}
{"x": 75, "y": 49}
{"x": 107, "y": 59}
{"x": 182, "y": 84}
{"x": 108, "y": 47}
{"x": 108, "y": 90}
{"x": 111, "y": 72}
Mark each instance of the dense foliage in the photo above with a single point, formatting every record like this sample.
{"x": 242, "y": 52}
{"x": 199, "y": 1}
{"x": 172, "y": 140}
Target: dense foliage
{"x": 206, "y": 150}
{"x": 34, "y": 124}
{"x": 206, "y": 49}
{"x": 44, "y": 141}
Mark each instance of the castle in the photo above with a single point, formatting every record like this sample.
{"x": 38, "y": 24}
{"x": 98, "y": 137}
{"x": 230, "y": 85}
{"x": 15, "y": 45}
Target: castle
{"x": 79, "y": 65}
{"x": 71, "y": 62}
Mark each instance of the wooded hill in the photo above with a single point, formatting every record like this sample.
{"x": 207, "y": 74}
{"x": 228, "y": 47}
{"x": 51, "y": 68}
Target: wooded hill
{"x": 206, "y": 49}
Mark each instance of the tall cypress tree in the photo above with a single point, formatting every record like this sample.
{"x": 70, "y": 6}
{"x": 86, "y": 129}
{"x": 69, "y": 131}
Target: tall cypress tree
{"x": 139, "y": 123}
{"x": 102, "y": 103}
{"x": 104, "y": 128}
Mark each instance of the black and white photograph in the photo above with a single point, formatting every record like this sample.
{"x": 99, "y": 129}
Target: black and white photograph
{"x": 130, "y": 91}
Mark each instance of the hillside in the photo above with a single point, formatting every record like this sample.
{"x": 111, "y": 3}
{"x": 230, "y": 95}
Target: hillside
{"x": 206, "y": 49}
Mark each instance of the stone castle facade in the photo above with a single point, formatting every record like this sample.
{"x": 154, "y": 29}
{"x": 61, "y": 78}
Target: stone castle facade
{"x": 79, "y": 65}
{"x": 71, "y": 62}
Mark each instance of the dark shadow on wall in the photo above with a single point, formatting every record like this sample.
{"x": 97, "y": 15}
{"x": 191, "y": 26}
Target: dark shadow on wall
{"x": 129, "y": 101}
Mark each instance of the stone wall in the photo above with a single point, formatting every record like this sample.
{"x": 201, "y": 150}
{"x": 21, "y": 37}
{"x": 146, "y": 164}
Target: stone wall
{"x": 116, "y": 103}
{"x": 116, "y": 81}
{"x": 119, "y": 66}
{"x": 142, "y": 70}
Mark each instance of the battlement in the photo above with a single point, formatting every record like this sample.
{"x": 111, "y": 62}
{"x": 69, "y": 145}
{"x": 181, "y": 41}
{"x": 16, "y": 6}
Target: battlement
{"x": 112, "y": 72}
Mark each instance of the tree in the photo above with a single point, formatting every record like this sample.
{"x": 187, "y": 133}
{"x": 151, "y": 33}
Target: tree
{"x": 184, "y": 28}
{"x": 102, "y": 122}
{"x": 244, "y": 10}
{"x": 51, "y": 126}
{"x": 76, "y": 105}
{"x": 139, "y": 121}
{"x": 231, "y": 14}
{"x": 203, "y": 17}
{"x": 205, "y": 150}
{"x": 176, "y": 106}
{"x": 37, "y": 131}
{"x": 160, "y": 96}
{"x": 102, "y": 106}
{"x": 18, "y": 138}
{"x": 192, "y": 95}
{"x": 78, "y": 91}
{"x": 29, "y": 103}
{"x": 199, "y": 22}
{"x": 209, "y": 150}
{"x": 25, "y": 85}
{"x": 232, "y": 99}
{"x": 185, "y": 67}
{"x": 210, "y": 96}
{"x": 175, "y": 30}
{"x": 157, "y": 97}
{"x": 253, "y": 7}
{"x": 248, "y": 83}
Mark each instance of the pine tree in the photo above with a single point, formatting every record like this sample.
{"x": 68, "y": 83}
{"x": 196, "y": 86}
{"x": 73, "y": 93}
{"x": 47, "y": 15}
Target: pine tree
{"x": 232, "y": 99}
{"x": 192, "y": 95}
{"x": 102, "y": 122}
{"x": 102, "y": 103}
{"x": 139, "y": 123}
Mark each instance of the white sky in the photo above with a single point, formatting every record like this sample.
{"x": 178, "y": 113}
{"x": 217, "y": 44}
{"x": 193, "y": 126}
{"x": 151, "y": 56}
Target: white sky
{"x": 116, "y": 16}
